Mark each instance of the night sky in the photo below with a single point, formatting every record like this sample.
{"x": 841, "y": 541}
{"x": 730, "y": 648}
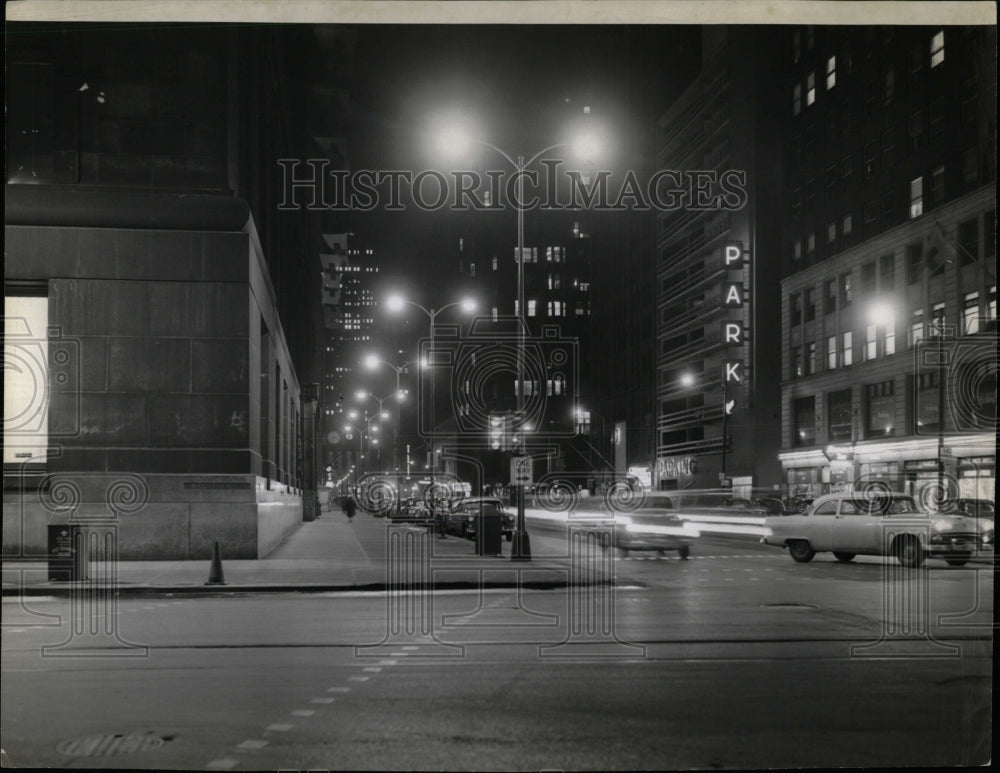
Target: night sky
{"x": 521, "y": 85}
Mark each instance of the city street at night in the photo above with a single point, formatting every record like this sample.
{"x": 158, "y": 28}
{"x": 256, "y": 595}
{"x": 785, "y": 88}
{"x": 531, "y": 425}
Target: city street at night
{"x": 736, "y": 657}
{"x": 528, "y": 385}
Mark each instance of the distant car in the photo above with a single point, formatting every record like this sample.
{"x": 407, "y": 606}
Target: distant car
{"x": 655, "y": 525}
{"x": 889, "y": 524}
{"x": 768, "y": 506}
{"x": 413, "y": 510}
{"x": 463, "y": 518}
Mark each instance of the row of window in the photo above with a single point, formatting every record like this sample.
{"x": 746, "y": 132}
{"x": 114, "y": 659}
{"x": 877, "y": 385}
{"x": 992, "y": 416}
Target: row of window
{"x": 553, "y": 308}
{"x": 924, "y": 192}
{"x": 880, "y": 338}
{"x": 935, "y": 56}
{"x": 930, "y": 255}
{"x": 530, "y": 255}
{"x": 878, "y": 410}
{"x": 553, "y": 387}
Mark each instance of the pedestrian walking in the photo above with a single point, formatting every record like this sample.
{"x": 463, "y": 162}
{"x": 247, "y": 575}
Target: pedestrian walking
{"x": 350, "y": 507}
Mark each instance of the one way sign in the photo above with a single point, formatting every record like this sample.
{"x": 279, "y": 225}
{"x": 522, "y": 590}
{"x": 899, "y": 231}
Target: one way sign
{"x": 521, "y": 471}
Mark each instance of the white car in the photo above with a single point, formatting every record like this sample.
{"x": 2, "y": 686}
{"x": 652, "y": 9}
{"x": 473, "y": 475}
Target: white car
{"x": 883, "y": 524}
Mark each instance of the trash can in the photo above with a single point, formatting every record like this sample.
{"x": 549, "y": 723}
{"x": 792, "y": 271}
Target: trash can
{"x": 68, "y": 556}
{"x": 489, "y": 532}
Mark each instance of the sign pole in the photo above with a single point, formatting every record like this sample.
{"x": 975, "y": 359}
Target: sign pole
{"x": 521, "y": 473}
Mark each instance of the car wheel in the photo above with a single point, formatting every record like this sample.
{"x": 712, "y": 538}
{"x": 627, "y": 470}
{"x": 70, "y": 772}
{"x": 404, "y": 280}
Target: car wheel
{"x": 909, "y": 552}
{"x": 843, "y": 557}
{"x": 684, "y": 552}
{"x": 958, "y": 560}
{"x": 801, "y": 551}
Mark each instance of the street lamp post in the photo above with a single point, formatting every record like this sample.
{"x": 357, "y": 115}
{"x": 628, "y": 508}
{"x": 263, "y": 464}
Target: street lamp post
{"x": 521, "y": 545}
{"x": 689, "y": 380}
{"x": 372, "y": 362}
{"x": 396, "y": 303}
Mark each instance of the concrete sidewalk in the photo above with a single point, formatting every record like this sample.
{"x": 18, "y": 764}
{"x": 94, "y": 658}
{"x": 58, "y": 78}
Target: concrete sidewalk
{"x": 332, "y": 553}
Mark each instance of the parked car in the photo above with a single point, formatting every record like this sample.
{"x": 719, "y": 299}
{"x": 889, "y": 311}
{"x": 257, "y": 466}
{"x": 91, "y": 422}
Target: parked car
{"x": 851, "y": 524}
{"x": 462, "y": 519}
{"x": 411, "y": 510}
{"x": 655, "y": 525}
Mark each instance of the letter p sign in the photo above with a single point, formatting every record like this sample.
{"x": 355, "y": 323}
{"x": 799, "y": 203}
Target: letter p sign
{"x": 734, "y": 254}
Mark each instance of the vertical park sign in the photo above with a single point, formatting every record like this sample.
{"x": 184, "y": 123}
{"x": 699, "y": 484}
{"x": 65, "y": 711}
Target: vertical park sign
{"x": 736, "y": 300}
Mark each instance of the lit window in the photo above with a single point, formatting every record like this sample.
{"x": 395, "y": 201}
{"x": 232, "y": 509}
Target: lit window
{"x": 871, "y": 342}
{"x": 27, "y": 354}
{"x": 991, "y": 306}
{"x": 494, "y": 262}
{"x": 810, "y": 88}
{"x": 890, "y": 85}
{"x": 531, "y": 308}
{"x": 970, "y": 314}
{"x": 811, "y": 362}
{"x": 848, "y": 224}
{"x": 831, "y": 72}
{"x": 796, "y": 99}
{"x": 472, "y": 269}
{"x": 937, "y": 49}
{"x": 811, "y": 243}
{"x": 831, "y": 233}
{"x": 889, "y": 342}
{"x": 848, "y": 348}
{"x": 916, "y": 197}
{"x": 797, "y": 365}
{"x": 831, "y": 353}
{"x": 798, "y": 249}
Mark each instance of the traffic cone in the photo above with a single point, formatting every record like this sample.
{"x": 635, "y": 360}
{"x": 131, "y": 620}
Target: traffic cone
{"x": 215, "y": 576}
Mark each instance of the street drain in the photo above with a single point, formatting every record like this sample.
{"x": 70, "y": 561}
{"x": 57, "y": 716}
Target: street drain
{"x": 789, "y": 605}
{"x": 110, "y": 745}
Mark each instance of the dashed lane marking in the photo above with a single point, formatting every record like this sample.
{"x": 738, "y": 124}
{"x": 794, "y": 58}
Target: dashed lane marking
{"x": 372, "y": 669}
{"x": 252, "y": 744}
{"x": 303, "y": 713}
{"x": 322, "y": 700}
{"x": 358, "y": 678}
{"x": 339, "y": 689}
{"x": 280, "y": 727}
{"x": 222, "y": 764}
{"x": 387, "y": 662}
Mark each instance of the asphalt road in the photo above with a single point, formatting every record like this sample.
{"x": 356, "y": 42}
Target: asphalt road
{"x": 735, "y": 658}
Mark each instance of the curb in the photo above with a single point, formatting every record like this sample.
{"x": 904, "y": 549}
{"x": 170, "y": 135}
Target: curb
{"x": 133, "y": 591}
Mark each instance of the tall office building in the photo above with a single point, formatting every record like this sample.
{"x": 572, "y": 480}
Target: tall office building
{"x": 888, "y": 336}
{"x": 350, "y": 273}
{"x": 146, "y": 251}
{"x": 717, "y": 270}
